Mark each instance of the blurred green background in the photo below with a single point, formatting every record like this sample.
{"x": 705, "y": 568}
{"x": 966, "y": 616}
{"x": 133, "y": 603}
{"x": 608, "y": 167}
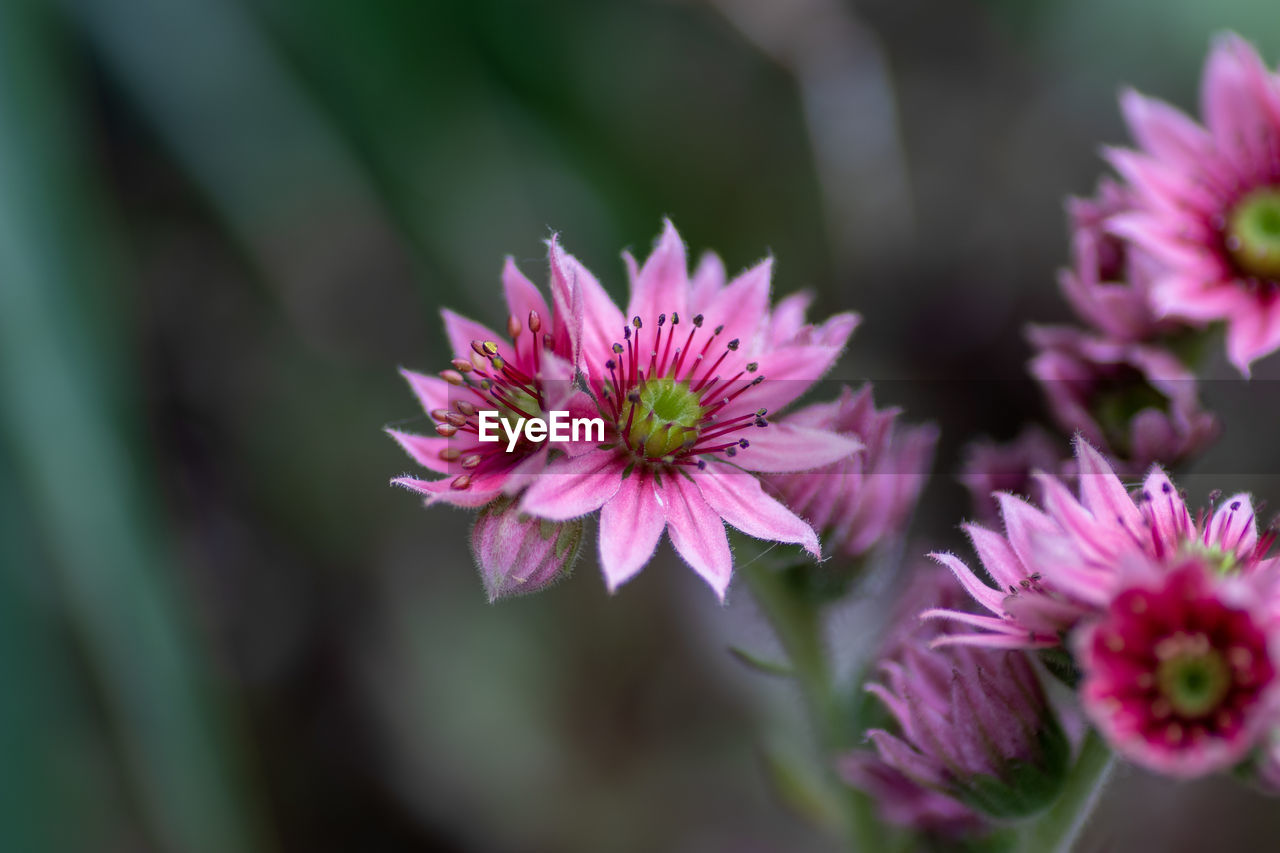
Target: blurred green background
{"x": 224, "y": 224}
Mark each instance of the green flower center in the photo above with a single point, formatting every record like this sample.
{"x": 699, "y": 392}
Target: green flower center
{"x": 1191, "y": 674}
{"x": 1222, "y": 560}
{"x": 1253, "y": 233}
{"x": 664, "y": 415}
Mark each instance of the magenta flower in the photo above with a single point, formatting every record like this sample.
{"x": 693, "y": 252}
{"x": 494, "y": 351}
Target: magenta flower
{"x": 525, "y": 374}
{"x": 973, "y": 724}
{"x": 990, "y": 467}
{"x": 1207, "y": 200}
{"x": 518, "y": 554}
{"x": 1179, "y": 672}
{"x": 1109, "y": 281}
{"x": 865, "y": 498}
{"x": 686, "y": 379}
{"x": 1136, "y": 401}
{"x": 1058, "y": 565}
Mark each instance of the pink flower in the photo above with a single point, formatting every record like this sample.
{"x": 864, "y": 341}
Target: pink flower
{"x": 1207, "y": 200}
{"x": 990, "y": 467}
{"x": 971, "y": 723}
{"x": 1136, "y": 401}
{"x": 1179, "y": 672}
{"x": 1058, "y": 565}
{"x": 685, "y": 380}
{"x": 1109, "y": 281}
{"x": 865, "y": 498}
{"x": 518, "y": 554}
{"x": 524, "y": 374}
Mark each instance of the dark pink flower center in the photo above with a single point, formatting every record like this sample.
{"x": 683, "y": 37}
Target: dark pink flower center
{"x": 1179, "y": 664}
{"x": 667, "y": 392}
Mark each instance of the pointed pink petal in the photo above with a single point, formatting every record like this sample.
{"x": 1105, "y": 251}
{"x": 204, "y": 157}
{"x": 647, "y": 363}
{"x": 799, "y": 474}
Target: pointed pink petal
{"x": 588, "y": 316}
{"x": 1101, "y": 491}
{"x": 975, "y": 620}
{"x": 432, "y": 391}
{"x": 630, "y": 525}
{"x": 742, "y": 306}
{"x": 1169, "y": 516}
{"x": 1234, "y": 525}
{"x": 994, "y": 641}
{"x": 912, "y": 764}
{"x": 1162, "y": 185}
{"x": 706, "y": 282}
{"x": 1093, "y": 536}
{"x": 662, "y": 284}
{"x": 441, "y": 491}
{"x": 781, "y": 447}
{"x": 424, "y": 450}
{"x": 697, "y": 532}
{"x": 788, "y": 372}
{"x": 1029, "y": 530}
{"x": 1240, "y": 101}
{"x": 1167, "y": 133}
{"x": 1185, "y": 295}
{"x": 574, "y": 486}
{"x": 523, "y": 296}
{"x": 462, "y": 331}
{"x": 739, "y": 498}
{"x": 788, "y": 317}
{"x": 1253, "y": 333}
{"x": 997, "y": 556}
{"x": 983, "y": 594}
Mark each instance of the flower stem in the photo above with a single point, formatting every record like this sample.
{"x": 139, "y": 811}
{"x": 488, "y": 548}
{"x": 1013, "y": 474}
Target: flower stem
{"x": 797, "y": 621}
{"x": 1059, "y": 827}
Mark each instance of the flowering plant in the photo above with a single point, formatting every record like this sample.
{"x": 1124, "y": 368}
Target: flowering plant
{"x": 1098, "y": 616}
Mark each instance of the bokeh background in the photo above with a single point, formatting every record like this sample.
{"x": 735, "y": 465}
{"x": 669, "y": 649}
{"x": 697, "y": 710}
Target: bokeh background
{"x": 225, "y": 223}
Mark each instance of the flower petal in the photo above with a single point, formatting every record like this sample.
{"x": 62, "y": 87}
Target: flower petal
{"x": 424, "y": 450}
{"x": 1234, "y": 526}
{"x": 781, "y": 447}
{"x": 1101, "y": 491}
{"x": 662, "y": 284}
{"x": 432, "y": 391}
{"x": 743, "y": 305}
{"x": 630, "y": 526}
{"x": 740, "y": 499}
{"x": 697, "y": 532}
{"x": 706, "y": 281}
{"x": 462, "y": 331}
{"x": 574, "y": 486}
{"x": 522, "y": 295}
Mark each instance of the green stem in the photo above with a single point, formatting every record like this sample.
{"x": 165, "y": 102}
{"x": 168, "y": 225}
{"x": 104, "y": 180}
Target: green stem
{"x": 1058, "y": 828}
{"x": 797, "y": 621}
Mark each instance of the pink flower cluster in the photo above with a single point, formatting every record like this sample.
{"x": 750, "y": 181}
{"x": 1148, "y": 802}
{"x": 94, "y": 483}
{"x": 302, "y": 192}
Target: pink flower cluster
{"x": 1172, "y": 618}
{"x": 690, "y": 381}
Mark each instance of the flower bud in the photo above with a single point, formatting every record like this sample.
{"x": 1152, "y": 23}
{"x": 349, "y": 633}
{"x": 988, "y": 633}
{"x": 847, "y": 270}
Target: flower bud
{"x": 867, "y": 498}
{"x": 1136, "y": 402}
{"x": 973, "y": 724}
{"x": 518, "y": 554}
